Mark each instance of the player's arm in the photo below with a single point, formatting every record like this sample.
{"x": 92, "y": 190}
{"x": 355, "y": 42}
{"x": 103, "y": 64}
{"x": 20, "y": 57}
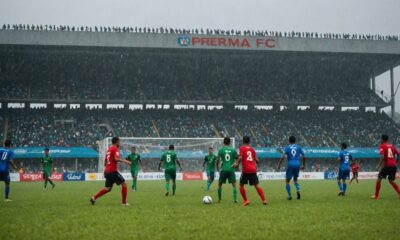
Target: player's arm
{"x": 204, "y": 163}
{"x": 179, "y": 164}
{"x": 303, "y": 159}
{"x": 237, "y": 162}
{"x": 381, "y": 158}
{"x": 159, "y": 165}
{"x": 337, "y": 162}
{"x": 280, "y": 162}
{"x": 257, "y": 161}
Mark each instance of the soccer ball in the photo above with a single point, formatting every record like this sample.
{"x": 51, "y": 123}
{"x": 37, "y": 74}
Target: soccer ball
{"x": 207, "y": 200}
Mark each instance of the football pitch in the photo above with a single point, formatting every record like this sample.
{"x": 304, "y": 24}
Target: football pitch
{"x": 65, "y": 212}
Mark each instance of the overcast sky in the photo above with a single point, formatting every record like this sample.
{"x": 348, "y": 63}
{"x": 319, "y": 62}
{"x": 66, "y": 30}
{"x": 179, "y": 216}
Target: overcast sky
{"x": 339, "y": 16}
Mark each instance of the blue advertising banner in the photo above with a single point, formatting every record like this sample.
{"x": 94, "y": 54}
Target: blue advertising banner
{"x": 333, "y": 152}
{"x": 74, "y": 177}
{"x": 55, "y": 152}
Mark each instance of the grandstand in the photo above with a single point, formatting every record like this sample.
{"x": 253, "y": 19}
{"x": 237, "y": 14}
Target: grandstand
{"x": 74, "y": 88}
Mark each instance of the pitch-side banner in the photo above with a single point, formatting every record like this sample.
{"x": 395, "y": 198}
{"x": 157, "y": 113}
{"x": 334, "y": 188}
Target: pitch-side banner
{"x": 55, "y": 152}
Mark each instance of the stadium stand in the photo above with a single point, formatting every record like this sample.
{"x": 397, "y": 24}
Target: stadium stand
{"x": 226, "y": 32}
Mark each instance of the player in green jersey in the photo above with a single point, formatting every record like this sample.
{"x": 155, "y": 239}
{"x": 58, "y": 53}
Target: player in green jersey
{"x": 227, "y": 157}
{"x": 210, "y": 160}
{"x": 48, "y": 167}
{"x": 134, "y": 159}
{"x": 170, "y": 160}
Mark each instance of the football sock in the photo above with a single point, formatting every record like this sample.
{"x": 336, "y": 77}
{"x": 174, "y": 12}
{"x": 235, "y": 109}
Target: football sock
{"x": 261, "y": 193}
{"x": 51, "y": 182}
{"x": 396, "y": 187}
{"x": 288, "y": 189}
{"x": 173, "y": 188}
{"x": 100, "y": 193}
{"x": 340, "y": 186}
{"x": 219, "y": 190}
{"x": 208, "y": 185}
{"x": 235, "y": 194}
{"x": 377, "y": 188}
{"x": 167, "y": 186}
{"x": 7, "y": 191}
{"x": 297, "y": 186}
{"x": 344, "y": 187}
{"x": 124, "y": 192}
{"x": 45, "y": 183}
{"x": 243, "y": 193}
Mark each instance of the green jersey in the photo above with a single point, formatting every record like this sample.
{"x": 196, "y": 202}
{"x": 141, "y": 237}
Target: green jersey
{"x": 134, "y": 158}
{"x": 169, "y": 159}
{"x": 210, "y": 161}
{"x": 47, "y": 162}
{"x": 227, "y": 156}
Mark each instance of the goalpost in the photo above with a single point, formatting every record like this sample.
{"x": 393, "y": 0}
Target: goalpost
{"x": 152, "y": 148}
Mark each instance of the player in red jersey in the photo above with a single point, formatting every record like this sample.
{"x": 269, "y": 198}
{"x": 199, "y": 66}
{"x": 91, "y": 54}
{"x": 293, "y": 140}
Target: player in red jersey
{"x": 111, "y": 173}
{"x": 355, "y": 167}
{"x": 389, "y": 154}
{"x": 248, "y": 158}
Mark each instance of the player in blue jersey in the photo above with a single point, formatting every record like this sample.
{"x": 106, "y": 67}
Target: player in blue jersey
{"x": 6, "y": 158}
{"x": 294, "y": 153}
{"x": 343, "y": 161}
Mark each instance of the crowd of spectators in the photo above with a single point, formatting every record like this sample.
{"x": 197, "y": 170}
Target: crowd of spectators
{"x": 201, "y": 31}
{"x": 313, "y": 128}
{"x": 129, "y": 75}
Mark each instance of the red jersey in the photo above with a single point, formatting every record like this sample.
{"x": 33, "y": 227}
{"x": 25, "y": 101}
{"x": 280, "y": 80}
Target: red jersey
{"x": 355, "y": 167}
{"x": 389, "y": 152}
{"x": 111, "y": 159}
{"x": 248, "y": 159}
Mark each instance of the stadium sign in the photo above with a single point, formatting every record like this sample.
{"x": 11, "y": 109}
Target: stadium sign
{"x": 74, "y": 177}
{"x": 226, "y": 42}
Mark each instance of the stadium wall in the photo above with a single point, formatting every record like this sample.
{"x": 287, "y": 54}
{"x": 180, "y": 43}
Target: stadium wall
{"x": 177, "y": 41}
{"x": 185, "y": 176}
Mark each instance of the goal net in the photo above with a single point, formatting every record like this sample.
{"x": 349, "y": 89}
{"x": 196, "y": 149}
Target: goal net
{"x": 151, "y": 148}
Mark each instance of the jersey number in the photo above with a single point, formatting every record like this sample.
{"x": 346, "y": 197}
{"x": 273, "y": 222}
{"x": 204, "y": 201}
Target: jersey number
{"x": 227, "y": 157}
{"x": 249, "y": 156}
{"x": 4, "y": 156}
{"x": 346, "y": 159}
{"x": 168, "y": 158}
{"x": 293, "y": 152}
{"x": 390, "y": 153}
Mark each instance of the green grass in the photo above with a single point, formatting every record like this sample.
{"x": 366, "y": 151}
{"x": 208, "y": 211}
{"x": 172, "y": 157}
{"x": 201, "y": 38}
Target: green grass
{"x": 65, "y": 213}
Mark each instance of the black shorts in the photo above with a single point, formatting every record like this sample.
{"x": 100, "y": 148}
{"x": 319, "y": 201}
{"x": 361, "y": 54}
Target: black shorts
{"x": 249, "y": 178}
{"x": 113, "y": 177}
{"x": 355, "y": 174}
{"x": 389, "y": 172}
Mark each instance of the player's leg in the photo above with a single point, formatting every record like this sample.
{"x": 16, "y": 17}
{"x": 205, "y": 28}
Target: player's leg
{"x": 7, "y": 186}
{"x": 356, "y": 176}
{"x": 208, "y": 180}
{"x": 296, "y": 172}
{"x": 344, "y": 179}
{"x": 339, "y": 182}
{"x": 222, "y": 180}
{"x": 289, "y": 176}
{"x": 108, "y": 186}
{"x": 45, "y": 179}
{"x": 382, "y": 174}
{"x": 353, "y": 176}
{"x": 392, "y": 178}
{"x": 232, "y": 179}
{"x": 167, "y": 180}
{"x": 49, "y": 180}
{"x": 243, "y": 181}
{"x": 124, "y": 193}
{"x": 254, "y": 181}
{"x": 174, "y": 183}
{"x": 133, "y": 180}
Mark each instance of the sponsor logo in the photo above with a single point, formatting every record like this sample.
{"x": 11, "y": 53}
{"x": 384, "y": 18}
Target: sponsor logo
{"x": 74, "y": 177}
{"x": 184, "y": 41}
{"x": 192, "y": 176}
{"x": 91, "y": 176}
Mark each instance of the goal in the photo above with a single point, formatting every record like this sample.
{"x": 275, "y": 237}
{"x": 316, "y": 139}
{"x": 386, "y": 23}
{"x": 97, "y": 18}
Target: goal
{"x": 187, "y": 148}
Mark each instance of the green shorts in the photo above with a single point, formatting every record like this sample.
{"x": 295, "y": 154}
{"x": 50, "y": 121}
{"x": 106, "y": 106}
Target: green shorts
{"x": 134, "y": 172}
{"x": 225, "y": 175}
{"x": 170, "y": 174}
{"x": 46, "y": 174}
